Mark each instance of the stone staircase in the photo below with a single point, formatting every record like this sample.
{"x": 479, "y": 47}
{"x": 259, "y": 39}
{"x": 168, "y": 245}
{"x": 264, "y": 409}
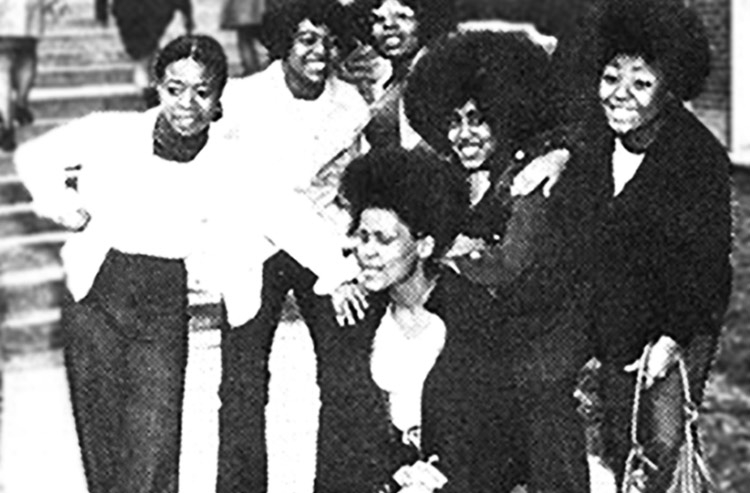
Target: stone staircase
{"x": 82, "y": 68}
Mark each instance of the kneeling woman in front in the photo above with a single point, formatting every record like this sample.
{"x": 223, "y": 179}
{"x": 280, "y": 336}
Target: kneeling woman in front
{"x": 399, "y": 390}
{"x": 140, "y": 209}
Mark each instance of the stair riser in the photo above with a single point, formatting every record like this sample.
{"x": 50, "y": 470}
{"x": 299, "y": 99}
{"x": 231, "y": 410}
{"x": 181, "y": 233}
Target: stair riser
{"x": 79, "y": 106}
{"x": 78, "y": 58}
{"x": 21, "y": 301}
{"x": 76, "y": 76}
{"x": 84, "y": 75}
{"x": 23, "y": 224}
{"x": 31, "y": 339}
{"x": 28, "y": 258}
{"x": 13, "y": 193}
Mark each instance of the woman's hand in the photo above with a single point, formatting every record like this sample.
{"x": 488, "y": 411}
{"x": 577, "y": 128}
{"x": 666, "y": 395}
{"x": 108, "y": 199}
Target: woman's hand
{"x": 420, "y": 477}
{"x": 659, "y": 360}
{"x": 349, "y": 302}
{"x": 75, "y": 220}
{"x": 548, "y": 167}
{"x": 464, "y": 245}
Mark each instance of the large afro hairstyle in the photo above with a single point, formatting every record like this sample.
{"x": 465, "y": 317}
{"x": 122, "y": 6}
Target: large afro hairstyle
{"x": 280, "y": 23}
{"x": 664, "y": 32}
{"x": 430, "y": 198}
{"x": 504, "y": 73}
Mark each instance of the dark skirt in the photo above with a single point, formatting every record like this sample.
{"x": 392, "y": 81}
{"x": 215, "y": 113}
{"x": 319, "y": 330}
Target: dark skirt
{"x": 242, "y": 14}
{"x": 126, "y": 354}
{"x": 237, "y": 14}
{"x": 142, "y": 23}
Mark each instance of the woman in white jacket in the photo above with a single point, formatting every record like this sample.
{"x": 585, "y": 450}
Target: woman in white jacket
{"x": 147, "y": 197}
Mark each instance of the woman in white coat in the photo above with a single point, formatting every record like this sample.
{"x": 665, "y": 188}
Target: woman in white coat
{"x": 147, "y": 192}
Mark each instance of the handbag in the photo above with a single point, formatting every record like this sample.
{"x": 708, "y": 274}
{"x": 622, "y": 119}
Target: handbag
{"x": 691, "y": 473}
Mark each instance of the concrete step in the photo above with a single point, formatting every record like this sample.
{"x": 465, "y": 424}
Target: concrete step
{"x": 24, "y": 223}
{"x": 22, "y": 301}
{"x": 12, "y": 191}
{"x": 87, "y": 42}
{"x": 32, "y": 334}
{"x": 80, "y": 37}
{"x": 82, "y": 57}
{"x": 85, "y": 75}
{"x": 73, "y": 102}
{"x": 40, "y": 126}
{"x": 7, "y": 169}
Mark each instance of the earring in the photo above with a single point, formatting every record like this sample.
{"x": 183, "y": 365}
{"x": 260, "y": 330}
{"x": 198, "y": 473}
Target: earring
{"x": 218, "y": 112}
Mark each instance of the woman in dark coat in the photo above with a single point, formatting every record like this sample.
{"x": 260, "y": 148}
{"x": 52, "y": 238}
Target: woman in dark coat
{"x": 399, "y": 391}
{"x": 480, "y": 97}
{"x": 658, "y": 182}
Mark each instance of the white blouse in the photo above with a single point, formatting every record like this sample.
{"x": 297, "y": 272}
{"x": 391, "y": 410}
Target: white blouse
{"x": 142, "y": 204}
{"x": 399, "y": 365}
{"x": 286, "y": 142}
{"x": 625, "y": 164}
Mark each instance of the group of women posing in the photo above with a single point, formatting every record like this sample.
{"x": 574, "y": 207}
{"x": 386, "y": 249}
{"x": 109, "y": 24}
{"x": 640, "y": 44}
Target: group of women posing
{"x": 483, "y": 264}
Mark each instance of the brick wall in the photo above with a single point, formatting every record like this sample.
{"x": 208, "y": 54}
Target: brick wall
{"x": 713, "y": 104}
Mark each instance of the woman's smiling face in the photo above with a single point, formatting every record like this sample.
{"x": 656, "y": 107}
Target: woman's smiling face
{"x": 394, "y": 28}
{"x": 308, "y": 59}
{"x": 631, "y": 92}
{"x": 189, "y": 98}
{"x": 470, "y": 135}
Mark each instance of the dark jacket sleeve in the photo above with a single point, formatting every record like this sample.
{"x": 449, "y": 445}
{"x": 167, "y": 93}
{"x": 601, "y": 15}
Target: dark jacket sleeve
{"x": 697, "y": 270}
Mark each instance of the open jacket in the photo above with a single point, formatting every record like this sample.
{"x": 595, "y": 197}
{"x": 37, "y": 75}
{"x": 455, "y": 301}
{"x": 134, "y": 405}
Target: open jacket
{"x": 662, "y": 246}
{"x": 358, "y": 448}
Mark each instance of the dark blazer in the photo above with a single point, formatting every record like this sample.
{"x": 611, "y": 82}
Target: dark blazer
{"x": 537, "y": 269}
{"x": 663, "y": 245}
{"x": 358, "y": 448}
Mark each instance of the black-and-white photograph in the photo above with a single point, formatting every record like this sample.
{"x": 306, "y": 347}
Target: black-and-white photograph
{"x": 374, "y": 246}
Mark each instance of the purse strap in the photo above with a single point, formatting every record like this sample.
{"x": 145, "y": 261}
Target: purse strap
{"x": 690, "y": 411}
{"x": 636, "y": 449}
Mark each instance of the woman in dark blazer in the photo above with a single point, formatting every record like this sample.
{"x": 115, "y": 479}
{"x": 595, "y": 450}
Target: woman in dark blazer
{"x": 658, "y": 183}
{"x": 400, "y": 390}
{"x": 480, "y": 97}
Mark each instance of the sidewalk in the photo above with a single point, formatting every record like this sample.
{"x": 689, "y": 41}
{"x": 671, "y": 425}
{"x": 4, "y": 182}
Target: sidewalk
{"x": 39, "y": 447}
{"x": 40, "y": 452}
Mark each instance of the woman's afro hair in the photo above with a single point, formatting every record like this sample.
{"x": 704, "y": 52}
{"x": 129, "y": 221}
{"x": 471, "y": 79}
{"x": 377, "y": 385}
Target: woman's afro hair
{"x": 504, "y": 73}
{"x": 280, "y": 23}
{"x": 428, "y": 196}
{"x": 663, "y": 32}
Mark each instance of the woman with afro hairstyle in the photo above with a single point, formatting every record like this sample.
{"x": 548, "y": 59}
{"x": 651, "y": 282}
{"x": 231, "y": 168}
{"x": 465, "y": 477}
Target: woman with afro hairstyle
{"x": 658, "y": 183}
{"x": 400, "y": 389}
{"x": 480, "y": 98}
{"x": 298, "y": 124}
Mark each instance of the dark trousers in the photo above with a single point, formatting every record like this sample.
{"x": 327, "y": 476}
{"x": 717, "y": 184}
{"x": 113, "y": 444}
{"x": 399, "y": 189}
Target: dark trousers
{"x": 125, "y": 354}
{"x": 245, "y": 351}
{"x": 546, "y": 371}
{"x": 555, "y": 437}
